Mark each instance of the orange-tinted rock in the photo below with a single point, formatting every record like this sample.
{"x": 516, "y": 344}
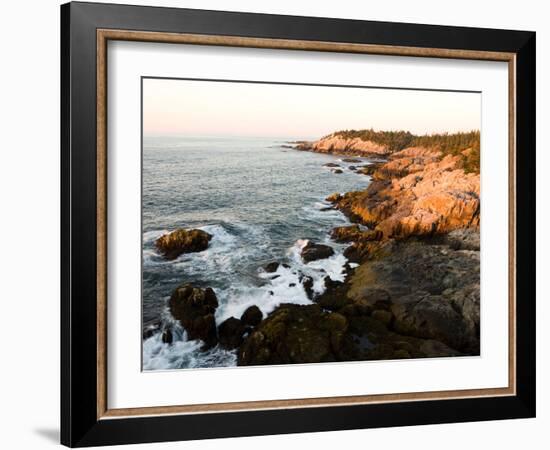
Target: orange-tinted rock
{"x": 333, "y": 197}
{"x": 415, "y": 193}
{"x": 334, "y": 143}
{"x": 346, "y": 233}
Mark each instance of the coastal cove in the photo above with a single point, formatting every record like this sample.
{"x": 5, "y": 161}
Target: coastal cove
{"x": 312, "y": 251}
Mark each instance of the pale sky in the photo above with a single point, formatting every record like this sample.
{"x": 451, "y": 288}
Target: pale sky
{"x": 208, "y": 108}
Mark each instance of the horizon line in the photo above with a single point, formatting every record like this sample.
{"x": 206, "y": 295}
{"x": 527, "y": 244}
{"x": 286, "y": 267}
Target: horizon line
{"x": 224, "y": 135}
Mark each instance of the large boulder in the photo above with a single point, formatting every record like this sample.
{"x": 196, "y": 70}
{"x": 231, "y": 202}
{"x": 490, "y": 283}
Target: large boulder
{"x": 230, "y": 333}
{"x": 295, "y": 334}
{"x": 195, "y": 308}
{"x": 335, "y": 295}
{"x": 180, "y": 241}
{"x": 313, "y": 252}
{"x": 252, "y": 316}
{"x": 274, "y": 266}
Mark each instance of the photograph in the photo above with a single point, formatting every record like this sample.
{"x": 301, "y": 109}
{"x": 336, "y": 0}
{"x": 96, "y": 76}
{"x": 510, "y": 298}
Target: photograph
{"x": 299, "y": 223}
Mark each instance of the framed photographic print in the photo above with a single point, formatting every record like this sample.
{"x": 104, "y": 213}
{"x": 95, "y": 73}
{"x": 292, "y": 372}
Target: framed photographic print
{"x": 277, "y": 224}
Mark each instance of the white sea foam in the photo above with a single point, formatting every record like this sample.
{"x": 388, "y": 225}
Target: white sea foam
{"x": 216, "y": 257}
{"x": 282, "y": 286}
{"x": 182, "y": 353}
{"x": 332, "y": 266}
{"x": 151, "y": 236}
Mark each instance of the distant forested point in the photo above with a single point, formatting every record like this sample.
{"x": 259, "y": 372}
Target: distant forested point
{"x": 446, "y": 143}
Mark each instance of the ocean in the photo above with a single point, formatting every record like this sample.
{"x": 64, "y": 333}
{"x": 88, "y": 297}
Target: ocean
{"x": 261, "y": 202}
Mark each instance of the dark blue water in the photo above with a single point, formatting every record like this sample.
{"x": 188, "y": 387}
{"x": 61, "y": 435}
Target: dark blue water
{"x": 261, "y": 202}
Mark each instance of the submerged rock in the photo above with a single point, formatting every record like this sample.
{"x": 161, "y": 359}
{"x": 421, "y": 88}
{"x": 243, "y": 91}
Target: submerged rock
{"x": 273, "y": 266}
{"x": 194, "y": 308}
{"x": 331, "y": 165}
{"x": 337, "y": 171}
{"x": 313, "y": 252}
{"x": 252, "y": 316}
{"x": 180, "y": 241}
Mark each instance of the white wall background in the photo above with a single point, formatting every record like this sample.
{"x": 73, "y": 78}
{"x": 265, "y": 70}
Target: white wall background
{"x": 29, "y": 223}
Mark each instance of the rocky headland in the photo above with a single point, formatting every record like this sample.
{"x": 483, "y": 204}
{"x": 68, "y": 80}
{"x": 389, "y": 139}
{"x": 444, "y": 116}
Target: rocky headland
{"x": 336, "y": 143}
{"x": 413, "y": 289}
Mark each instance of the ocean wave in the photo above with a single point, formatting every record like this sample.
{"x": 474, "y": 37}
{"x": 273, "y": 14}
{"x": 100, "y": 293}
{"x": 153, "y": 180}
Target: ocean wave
{"x": 151, "y": 236}
{"x": 282, "y": 286}
{"x": 183, "y": 354}
{"x": 285, "y": 285}
{"x": 225, "y": 250}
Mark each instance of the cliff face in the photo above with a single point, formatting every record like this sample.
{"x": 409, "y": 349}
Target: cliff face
{"x": 337, "y": 144}
{"x": 416, "y": 193}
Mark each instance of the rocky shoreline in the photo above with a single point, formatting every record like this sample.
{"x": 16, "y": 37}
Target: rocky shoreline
{"x": 412, "y": 290}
